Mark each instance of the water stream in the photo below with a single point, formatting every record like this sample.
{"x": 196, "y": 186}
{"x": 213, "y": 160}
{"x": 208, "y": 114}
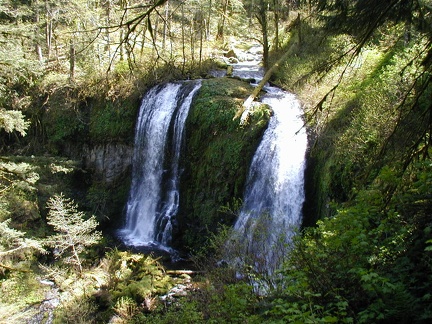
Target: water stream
{"x": 154, "y": 195}
{"x": 274, "y": 194}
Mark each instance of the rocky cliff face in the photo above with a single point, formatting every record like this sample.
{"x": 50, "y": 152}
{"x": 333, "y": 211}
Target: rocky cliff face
{"x": 109, "y": 162}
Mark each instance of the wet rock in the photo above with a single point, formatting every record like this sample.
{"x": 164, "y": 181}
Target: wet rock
{"x": 109, "y": 161}
{"x": 231, "y": 54}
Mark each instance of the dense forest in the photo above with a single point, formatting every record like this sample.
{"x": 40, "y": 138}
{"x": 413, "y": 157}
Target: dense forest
{"x": 72, "y": 75}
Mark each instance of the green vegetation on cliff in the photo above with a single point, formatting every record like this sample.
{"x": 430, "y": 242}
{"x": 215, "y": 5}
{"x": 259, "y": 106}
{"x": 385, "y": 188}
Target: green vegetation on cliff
{"x": 216, "y": 157}
{"x": 367, "y": 98}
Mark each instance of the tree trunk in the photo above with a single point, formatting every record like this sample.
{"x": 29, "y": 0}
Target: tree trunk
{"x": 407, "y": 32}
{"x": 38, "y": 47}
{"x": 244, "y": 110}
{"x": 165, "y": 25}
{"x": 107, "y": 6}
{"x": 48, "y": 32}
{"x": 300, "y": 37}
{"x": 262, "y": 19}
{"x": 72, "y": 61}
{"x": 276, "y": 10}
{"x": 192, "y": 40}
{"x": 200, "y": 27}
{"x": 144, "y": 31}
{"x": 208, "y": 20}
{"x": 221, "y": 23}
{"x": 180, "y": 272}
{"x": 183, "y": 38}
{"x": 77, "y": 258}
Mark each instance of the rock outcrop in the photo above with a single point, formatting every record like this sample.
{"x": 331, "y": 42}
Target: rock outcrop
{"x": 109, "y": 162}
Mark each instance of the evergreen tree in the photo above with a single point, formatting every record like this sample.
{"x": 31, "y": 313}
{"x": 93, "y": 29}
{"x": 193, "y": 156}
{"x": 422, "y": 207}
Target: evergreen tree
{"x": 74, "y": 233}
{"x": 14, "y": 246}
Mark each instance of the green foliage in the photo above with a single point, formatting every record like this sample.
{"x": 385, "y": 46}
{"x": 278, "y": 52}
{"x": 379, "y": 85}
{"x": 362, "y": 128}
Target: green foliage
{"x": 113, "y": 121}
{"x": 18, "y": 180}
{"x": 370, "y": 261}
{"x": 365, "y": 108}
{"x": 74, "y": 233}
{"x": 306, "y": 310}
{"x": 364, "y": 258}
{"x": 139, "y": 277}
{"x": 106, "y": 201}
{"x": 126, "y": 308}
{"x": 127, "y": 268}
{"x": 24, "y": 180}
{"x": 26, "y": 184}
{"x": 182, "y": 312}
{"x": 14, "y": 247}
{"x": 76, "y": 310}
{"x": 63, "y": 117}
{"x": 19, "y": 291}
{"x": 234, "y": 303}
{"x": 131, "y": 284}
{"x": 18, "y": 70}
{"x": 13, "y": 120}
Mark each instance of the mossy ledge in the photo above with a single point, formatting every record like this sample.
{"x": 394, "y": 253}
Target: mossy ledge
{"x": 216, "y": 158}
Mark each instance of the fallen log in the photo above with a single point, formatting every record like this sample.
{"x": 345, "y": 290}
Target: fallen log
{"x": 245, "y": 109}
{"x": 180, "y": 272}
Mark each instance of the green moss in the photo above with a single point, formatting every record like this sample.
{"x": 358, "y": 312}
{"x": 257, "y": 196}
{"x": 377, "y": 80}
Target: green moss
{"x": 113, "y": 120}
{"x": 217, "y": 156}
{"x": 74, "y": 116}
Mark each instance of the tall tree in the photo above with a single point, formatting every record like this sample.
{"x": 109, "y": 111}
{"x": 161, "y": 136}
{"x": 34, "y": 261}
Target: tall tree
{"x": 259, "y": 10}
{"x": 221, "y": 22}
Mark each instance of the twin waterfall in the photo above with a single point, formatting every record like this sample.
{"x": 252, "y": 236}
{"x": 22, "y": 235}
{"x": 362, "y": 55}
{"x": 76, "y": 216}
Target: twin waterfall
{"x": 274, "y": 195}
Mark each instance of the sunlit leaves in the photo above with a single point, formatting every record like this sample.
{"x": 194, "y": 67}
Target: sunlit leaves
{"x": 13, "y": 120}
{"x": 14, "y": 246}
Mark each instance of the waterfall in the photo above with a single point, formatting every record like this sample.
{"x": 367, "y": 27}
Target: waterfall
{"x": 274, "y": 194}
{"x": 154, "y": 195}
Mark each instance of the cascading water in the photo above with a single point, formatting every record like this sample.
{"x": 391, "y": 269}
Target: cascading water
{"x": 154, "y": 198}
{"x": 274, "y": 195}
{"x": 274, "y": 190}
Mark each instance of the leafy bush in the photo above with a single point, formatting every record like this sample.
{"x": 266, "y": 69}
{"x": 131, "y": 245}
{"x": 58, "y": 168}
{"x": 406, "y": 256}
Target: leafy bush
{"x": 76, "y": 310}
{"x": 364, "y": 258}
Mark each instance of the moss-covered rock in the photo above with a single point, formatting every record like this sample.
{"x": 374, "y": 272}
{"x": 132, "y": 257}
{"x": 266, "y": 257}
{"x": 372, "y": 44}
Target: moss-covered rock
{"x": 217, "y": 157}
